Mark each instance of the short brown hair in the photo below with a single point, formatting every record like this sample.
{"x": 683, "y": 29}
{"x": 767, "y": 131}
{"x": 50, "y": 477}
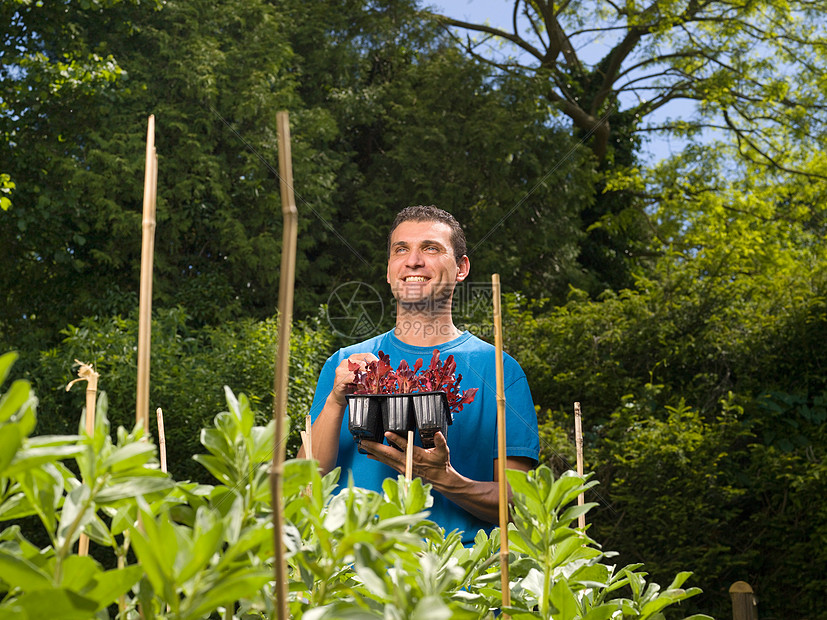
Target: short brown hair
{"x": 431, "y": 213}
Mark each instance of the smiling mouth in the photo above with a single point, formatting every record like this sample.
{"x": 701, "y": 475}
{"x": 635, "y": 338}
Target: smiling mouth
{"x": 414, "y": 279}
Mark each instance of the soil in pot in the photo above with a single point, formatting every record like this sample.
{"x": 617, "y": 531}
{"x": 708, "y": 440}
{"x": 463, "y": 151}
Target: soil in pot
{"x": 398, "y": 415}
{"x": 432, "y": 414}
{"x": 365, "y": 417}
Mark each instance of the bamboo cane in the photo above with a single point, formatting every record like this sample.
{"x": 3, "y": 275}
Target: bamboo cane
{"x": 286, "y": 282}
{"x": 307, "y": 438}
{"x": 578, "y": 440}
{"x": 88, "y": 374}
{"x": 162, "y": 440}
{"x": 147, "y": 254}
{"x": 501, "y": 456}
{"x": 409, "y": 457}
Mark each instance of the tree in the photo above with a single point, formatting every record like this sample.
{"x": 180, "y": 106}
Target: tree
{"x": 422, "y": 124}
{"x": 614, "y": 71}
{"x": 600, "y": 59}
{"x": 81, "y": 81}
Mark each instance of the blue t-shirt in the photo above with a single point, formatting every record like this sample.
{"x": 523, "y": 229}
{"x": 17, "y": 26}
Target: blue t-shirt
{"x": 472, "y": 438}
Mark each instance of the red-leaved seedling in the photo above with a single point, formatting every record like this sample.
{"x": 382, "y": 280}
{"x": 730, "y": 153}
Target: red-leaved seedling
{"x": 376, "y": 378}
{"x": 439, "y": 377}
{"x": 379, "y": 377}
{"x": 406, "y": 381}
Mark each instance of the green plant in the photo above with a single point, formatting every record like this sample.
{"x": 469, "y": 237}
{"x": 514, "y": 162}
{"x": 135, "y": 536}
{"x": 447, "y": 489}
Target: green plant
{"x": 35, "y": 481}
{"x": 188, "y": 551}
{"x": 558, "y": 570}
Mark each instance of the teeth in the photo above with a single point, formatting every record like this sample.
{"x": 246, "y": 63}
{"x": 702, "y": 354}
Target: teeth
{"x": 415, "y": 279}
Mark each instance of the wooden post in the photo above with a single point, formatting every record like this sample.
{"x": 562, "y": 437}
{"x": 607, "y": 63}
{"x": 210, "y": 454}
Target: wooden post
{"x": 88, "y": 374}
{"x": 744, "y": 603}
{"x": 501, "y": 455}
{"x": 147, "y": 254}
{"x": 286, "y": 283}
{"x": 307, "y": 438}
{"x": 409, "y": 456}
{"x": 162, "y": 439}
{"x": 578, "y": 440}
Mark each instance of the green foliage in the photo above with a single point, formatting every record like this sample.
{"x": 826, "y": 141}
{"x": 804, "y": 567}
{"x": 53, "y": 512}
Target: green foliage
{"x": 186, "y": 366}
{"x": 6, "y": 187}
{"x": 201, "y": 550}
{"x": 78, "y": 82}
{"x": 702, "y": 386}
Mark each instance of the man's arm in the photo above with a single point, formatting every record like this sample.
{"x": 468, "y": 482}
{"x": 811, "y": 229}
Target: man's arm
{"x": 328, "y": 424}
{"x": 433, "y": 465}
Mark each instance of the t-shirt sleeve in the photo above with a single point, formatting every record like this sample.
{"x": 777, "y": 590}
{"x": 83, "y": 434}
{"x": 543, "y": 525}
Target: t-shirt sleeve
{"x": 521, "y": 435}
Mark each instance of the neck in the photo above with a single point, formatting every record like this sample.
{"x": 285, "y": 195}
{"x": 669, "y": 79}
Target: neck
{"x": 423, "y": 329}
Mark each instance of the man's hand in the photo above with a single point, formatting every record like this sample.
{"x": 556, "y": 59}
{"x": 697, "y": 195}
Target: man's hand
{"x": 434, "y": 465}
{"x": 343, "y": 381}
{"x": 431, "y": 464}
{"x": 328, "y": 424}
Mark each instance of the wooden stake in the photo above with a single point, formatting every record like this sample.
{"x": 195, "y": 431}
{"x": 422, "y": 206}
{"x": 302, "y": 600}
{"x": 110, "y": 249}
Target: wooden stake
{"x": 147, "y": 254}
{"x": 88, "y": 374}
{"x": 286, "y": 282}
{"x": 162, "y": 440}
{"x": 307, "y": 438}
{"x": 409, "y": 457}
{"x": 501, "y": 455}
{"x": 578, "y": 440}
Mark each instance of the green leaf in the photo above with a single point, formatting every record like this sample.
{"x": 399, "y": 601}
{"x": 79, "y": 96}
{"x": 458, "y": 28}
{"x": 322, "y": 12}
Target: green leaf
{"x": 130, "y": 456}
{"x": 56, "y": 604}
{"x": 150, "y": 555}
{"x": 110, "y": 585}
{"x": 30, "y": 458}
{"x": 217, "y": 467}
{"x": 217, "y": 443}
{"x": 7, "y": 360}
{"x": 98, "y": 532}
{"x": 124, "y": 517}
{"x": 78, "y": 571}
{"x": 563, "y": 600}
{"x": 601, "y": 612}
{"x": 242, "y": 584}
{"x": 10, "y": 440}
{"x": 150, "y": 482}
{"x": 206, "y": 543}
{"x": 14, "y": 399}
{"x": 71, "y": 519}
{"x": 15, "y": 507}
{"x": 573, "y": 513}
{"x": 19, "y": 573}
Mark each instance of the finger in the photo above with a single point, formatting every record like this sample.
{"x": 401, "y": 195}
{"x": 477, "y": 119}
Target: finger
{"x": 440, "y": 443}
{"x": 397, "y": 440}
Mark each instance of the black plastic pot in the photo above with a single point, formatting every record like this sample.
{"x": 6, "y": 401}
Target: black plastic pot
{"x": 398, "y": 415}
{"x": 432, "y": 414}
{"x": 365, "y": 418}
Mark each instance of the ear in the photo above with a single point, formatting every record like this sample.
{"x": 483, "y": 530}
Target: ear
{"x": 463, "y": 268}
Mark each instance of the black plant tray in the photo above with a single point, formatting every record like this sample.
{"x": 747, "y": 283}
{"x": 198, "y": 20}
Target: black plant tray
{"x": 398, "y": 414}
{"x": 373, "y": 414}
{"x": 432, "y": 414}
{"x": 365, "y": 419}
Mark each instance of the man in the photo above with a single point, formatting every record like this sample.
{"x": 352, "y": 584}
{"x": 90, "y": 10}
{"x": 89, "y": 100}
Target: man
{"x": 426, "y": 259}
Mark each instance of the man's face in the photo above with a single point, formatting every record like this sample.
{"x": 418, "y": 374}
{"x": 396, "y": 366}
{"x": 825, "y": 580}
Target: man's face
{"x": 422, "y": 268}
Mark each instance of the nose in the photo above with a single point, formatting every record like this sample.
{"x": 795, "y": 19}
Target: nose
{"x": 414, "y": 259}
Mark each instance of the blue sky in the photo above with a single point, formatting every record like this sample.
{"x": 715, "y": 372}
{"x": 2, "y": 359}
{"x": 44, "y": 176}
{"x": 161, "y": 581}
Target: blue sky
{"x": 498, "y": 13}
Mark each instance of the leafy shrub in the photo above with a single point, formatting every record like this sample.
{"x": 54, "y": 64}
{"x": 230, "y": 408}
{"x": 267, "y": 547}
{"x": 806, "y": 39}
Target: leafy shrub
{"x": 207, "y": 549}
{"x": 187, "y": 368}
